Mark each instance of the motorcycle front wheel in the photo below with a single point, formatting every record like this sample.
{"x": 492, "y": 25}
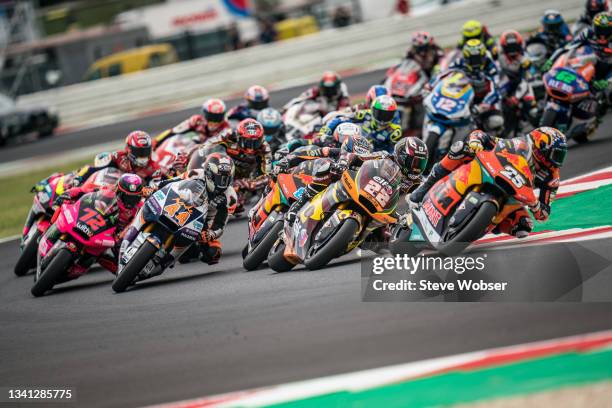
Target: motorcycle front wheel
{"x": 128, "y": 274}
{"x": 432, "y": 147}
{"x": 548, "y": 118}
{"x": 333, "y": 248}
{"x": 276, "y": 259}
{"x": 27, "y": 258}
{"x": 259, "y": 254}
{"x": 52, "y": 273}
{"x": 474, "y": 230}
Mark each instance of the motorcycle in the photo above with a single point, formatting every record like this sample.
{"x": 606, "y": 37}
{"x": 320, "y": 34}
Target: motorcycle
{"x": 339, "y": 218}
{"x": 182, "y": 142}
{"x": 266, "y": 218}
{"x": 82, "y": 231}
{"x": 41, "y": 212}
{"x": 174, "y": 219}
{"x": 448, "y": 114}
{"x": 302, "y": 120}
{"x": 570, "y": 106}
{"x": 405, "y": 82}
{"x": 465, "y": 205}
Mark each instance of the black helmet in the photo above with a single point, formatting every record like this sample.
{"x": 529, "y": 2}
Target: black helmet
{"x": 410, "y": 153}
{"x": 219, "y": 172}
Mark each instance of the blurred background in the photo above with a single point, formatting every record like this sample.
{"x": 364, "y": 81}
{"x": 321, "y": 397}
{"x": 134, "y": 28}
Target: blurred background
{"x": 52, "y": 43}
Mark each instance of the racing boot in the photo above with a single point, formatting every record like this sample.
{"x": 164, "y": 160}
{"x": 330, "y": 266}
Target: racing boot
{"x": 437, "y": 172}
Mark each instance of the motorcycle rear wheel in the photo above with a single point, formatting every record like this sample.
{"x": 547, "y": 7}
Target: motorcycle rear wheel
{"x": 27, "y": 258}
{"x": 548, "y": 118}
{"x": 259, "y": 254}
{"x": 52, "y": 273}
{"x": 432, "y": 147}
{"x": 335, "y": 247}
{"x": 135, "y": 265}
{"x": 276, "y": 259}
{"x": 472, "y": 231}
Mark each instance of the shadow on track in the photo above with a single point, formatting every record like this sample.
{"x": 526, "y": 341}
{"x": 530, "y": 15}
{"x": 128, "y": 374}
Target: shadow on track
{"x": 184, "y": 278}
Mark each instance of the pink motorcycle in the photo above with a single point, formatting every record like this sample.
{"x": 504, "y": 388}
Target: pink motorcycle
{"x": 81, "y": 232}
{"x": 39, "y": 218}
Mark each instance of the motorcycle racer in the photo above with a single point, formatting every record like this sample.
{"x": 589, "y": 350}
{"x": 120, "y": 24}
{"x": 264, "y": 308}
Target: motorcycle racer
{"x": 331, "y": 94}
{"x": 514, "y": 86}
{"x": 274, "y": 128}
{"x": 592, "y": 8}
{"x": 487, "y": 101}
{"x": 376, "y": 123}
{"x": 554, "y": 32}
{"x": 217, "y": 173}
{"x": 546, "y": 149}
{"x": 425, "y": 51}
{"x": 135, "y": 158}
{"x": 128, "y": 193}
{"x": 599, "y": 38}
{"x": 251, "y": 155}
{"x": 475, "y": 30}
{"x": 208, "y": 124}
{"x": 256, "y": 99}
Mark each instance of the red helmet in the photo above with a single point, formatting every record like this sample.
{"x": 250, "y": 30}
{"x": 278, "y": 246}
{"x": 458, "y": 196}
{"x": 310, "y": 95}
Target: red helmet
{"x": 421, "y": 42}
{"x": 329, "y": 85}
{"x": 257, "y": 97}
{"x": 129, "y": 190}
{"x": 250, "y": 135}
{"x": 214, "y": 111}
{"x": 512, "y": 44}
{"x": 138, "y": 148}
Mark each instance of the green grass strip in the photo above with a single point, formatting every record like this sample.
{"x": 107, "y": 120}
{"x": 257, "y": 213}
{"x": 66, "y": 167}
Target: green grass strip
{"x": 16, "y": 199}
{"x": 569, "y": 369}
{"x": 589, "y": 209}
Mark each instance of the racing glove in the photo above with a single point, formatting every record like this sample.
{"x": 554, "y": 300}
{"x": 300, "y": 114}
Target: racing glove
{"x": 547, "y": 66}
{"x": 540, "y": 211}
{"x": 208, "y": 236}
{"x": 600, "y": 85}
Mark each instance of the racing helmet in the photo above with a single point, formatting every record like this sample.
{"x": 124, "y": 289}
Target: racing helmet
{"x": 250, "y": 134}
{"x": 383, "y": 109}
{"x": 472, "y": 29}
{"x": 474, "y": 56}
{"x": 511, "y": 44}
{"x": 594, "y": 7}
{"x": 374, "y": 92}
{"x": 219, "y": 172}
{"x": 129, "y": 190}
{"x": 549, "y": 146}
{"x": 410, "y": 153}
{"x": 421, "y": 42}
{"x": 356, "y": 144}
{"x": 345, "y": 130}
{"x": 602, "y": 30}
{"x": 257, "y": 97}
{"x": 329, "y": 85}
{"x": 138, "y": 147}
{"x": 272, "y": 121}
{"x": 213, "y": 111}
{"x": 552, "y": 22}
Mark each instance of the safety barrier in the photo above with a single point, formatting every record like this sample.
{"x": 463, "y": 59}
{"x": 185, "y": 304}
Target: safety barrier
{"x": 188, "y": 83}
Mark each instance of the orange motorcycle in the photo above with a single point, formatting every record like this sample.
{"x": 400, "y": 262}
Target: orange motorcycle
{"x": 465, "y": 205}
{"x": 339, "y": 218}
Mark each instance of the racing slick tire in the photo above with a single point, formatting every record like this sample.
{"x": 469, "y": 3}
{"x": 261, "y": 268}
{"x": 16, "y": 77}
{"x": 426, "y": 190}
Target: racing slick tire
{"x": 334, "y": 247}
{"x": 475, "y": 229}
{"x": 548, "y": 118}
{"x": 276, "y": 259}
{"x": 259, "y": 254}
{"x": 27, "y": 258}
{"x": 140, "y": 259}
{"x": 52, "y": 273}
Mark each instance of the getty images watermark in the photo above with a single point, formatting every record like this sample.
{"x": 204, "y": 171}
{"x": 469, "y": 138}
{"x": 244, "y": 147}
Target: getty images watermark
{"x": 556, "y": 272}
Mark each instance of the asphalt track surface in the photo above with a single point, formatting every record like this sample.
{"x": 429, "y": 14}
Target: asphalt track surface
{"x": 199, "y": 330}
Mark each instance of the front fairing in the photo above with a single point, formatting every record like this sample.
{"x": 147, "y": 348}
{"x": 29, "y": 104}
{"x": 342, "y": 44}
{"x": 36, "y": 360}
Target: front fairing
{"x": 449, "y": 105}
